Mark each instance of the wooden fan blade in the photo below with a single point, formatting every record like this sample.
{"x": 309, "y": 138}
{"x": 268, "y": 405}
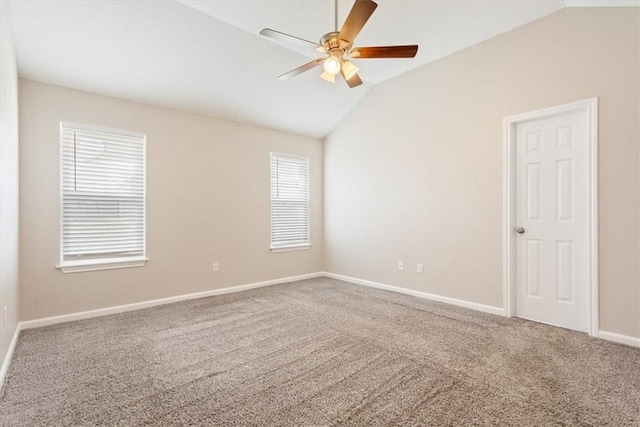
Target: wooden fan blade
{"x": 301, "y": 69}
{"x": 353, "y": 81}
{"x": 408, "y": 51}
{"x": 359, "y": 15}
{"x": 279, "y": 35}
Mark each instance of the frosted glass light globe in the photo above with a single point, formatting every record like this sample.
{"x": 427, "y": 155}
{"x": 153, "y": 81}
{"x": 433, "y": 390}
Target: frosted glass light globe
{"x": 349, "y": 70}
{"x": 332, "y": 65}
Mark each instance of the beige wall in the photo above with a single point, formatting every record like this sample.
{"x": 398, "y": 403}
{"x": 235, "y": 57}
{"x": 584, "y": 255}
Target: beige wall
{"x": 414, "y": 172}
{"x": 8, "y": 184}
{"x": 207, "y": 201}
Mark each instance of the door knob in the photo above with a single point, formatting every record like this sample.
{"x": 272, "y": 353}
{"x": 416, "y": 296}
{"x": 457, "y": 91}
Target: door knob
{"x": 520, "y": 230}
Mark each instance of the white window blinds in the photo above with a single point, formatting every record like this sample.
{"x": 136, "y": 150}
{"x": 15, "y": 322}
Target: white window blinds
{"x": 289, "y": 201}
{"x": 103, "y": 194}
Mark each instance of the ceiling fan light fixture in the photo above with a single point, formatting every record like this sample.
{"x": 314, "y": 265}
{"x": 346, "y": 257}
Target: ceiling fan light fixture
{"x": 349, "y": 70}
{"x": 338, "y": 45}
{"x": 332, "y": 65}
{"x": 331, "y": 78}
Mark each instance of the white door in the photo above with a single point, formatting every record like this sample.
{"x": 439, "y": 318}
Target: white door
{"x": 552, "y": 220}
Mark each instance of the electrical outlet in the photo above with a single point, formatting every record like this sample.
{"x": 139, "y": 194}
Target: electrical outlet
{"x": 419, "y": 268}
{"x": 5, "y": 319}
{"x": 401, "y": 265}
{"x": 216, "y": 267}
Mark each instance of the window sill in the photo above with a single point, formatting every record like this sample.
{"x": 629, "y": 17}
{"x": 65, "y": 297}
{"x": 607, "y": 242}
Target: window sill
{"x": 101, "y": 264}
{"x": 291, "y": 248}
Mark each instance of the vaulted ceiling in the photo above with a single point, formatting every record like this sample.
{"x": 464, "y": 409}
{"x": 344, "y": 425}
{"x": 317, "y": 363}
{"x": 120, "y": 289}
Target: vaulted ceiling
{"x": 207, "y": 56}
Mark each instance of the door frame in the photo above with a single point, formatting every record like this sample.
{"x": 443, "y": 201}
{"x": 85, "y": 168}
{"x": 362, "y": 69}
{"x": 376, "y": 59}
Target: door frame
{"x": 590, "y": 106}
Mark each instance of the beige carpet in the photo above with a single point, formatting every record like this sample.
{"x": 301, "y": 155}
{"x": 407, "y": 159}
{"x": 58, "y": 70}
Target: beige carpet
{"x": 317, "y": 352}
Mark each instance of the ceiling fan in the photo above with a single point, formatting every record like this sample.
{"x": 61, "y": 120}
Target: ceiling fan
{"x": 338, "y": 45}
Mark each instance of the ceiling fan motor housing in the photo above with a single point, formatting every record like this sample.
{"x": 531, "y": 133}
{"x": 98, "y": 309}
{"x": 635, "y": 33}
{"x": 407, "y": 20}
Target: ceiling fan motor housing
{"x": 332, "y": 41}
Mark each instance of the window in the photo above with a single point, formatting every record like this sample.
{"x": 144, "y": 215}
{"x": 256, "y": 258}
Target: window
{"x": 103, "y": 198}
{"x": 289, "y": 202}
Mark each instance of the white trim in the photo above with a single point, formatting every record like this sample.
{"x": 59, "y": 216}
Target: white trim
{"x": 604, "y": 335}
{"x": 453, "y": 301}
{"x": 7, "y": 358}
{"x": 298, "y": 246}
{"x": 291, "y": 156}
{"x": 594, "y": 325}
{"x": 610, "y": 336}
{"x": 101, "y": 264}
{"x": 36, "y": 323}
{"x": 619, "y": 338}
{"x": 291, "y": 248}
{"x": 60, "y": 195}
{"x": 102, "y": 129}
{"x": 509, "y": 187}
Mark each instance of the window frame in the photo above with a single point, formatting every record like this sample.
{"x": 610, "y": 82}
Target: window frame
{"x": 96, "y": 264}
{"x": 296, "y": 246}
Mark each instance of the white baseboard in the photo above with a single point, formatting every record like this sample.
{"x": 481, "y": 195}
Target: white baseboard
{"x": 453, "y": 301}
{"x": 610, "y": 336}
{"x": 46, "y": 321}
{"x": 619, "y": 338}
{"x": 9, "y": 355}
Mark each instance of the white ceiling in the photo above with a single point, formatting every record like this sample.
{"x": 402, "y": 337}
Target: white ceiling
{"x": 207, "y": 57}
